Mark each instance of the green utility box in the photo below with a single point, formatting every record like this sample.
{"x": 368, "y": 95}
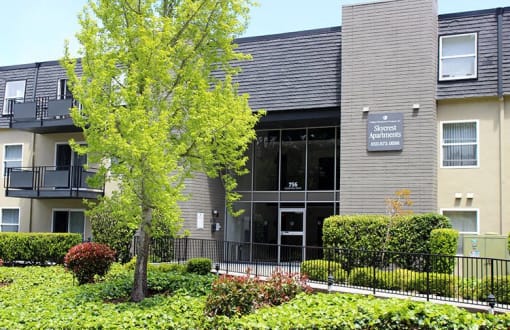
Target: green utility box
{"x": 485, "y": 246}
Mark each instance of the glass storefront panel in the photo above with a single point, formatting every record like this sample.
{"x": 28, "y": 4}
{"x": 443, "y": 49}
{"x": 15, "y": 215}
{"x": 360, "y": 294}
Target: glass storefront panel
{"x": 238, "y": 228}
{"x": 315, "y": 215}
{"x": 321, "y": 158}
{"x": 266, "y": 159}
{"x": 293, "y": 159}
{"x": 238, "y": 233}
{"x": 265, "y": 231}
{"x": 244, "y": 181}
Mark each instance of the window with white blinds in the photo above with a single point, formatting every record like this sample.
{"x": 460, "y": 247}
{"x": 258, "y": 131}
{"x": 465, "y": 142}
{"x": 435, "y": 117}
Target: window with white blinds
{"x": 460, "y": 144}
{"x": 10, "y": 220}
{"x": 13, "y": 156}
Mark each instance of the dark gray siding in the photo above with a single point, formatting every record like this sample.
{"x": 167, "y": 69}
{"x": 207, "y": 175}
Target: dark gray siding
{"x": 506, "y": 51}
{"x": 382, "y": 70}
{"x": 292, "y": 71}
{"x": 204, "y": 195}
{"x": 486, "y": 83}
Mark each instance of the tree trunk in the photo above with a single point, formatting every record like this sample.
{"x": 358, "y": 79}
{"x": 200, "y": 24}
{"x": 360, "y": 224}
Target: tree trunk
{"x": 139, "y": 291}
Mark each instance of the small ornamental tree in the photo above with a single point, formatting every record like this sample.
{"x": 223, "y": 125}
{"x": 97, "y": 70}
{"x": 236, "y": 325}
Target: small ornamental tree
{"x": 158, "y": 103}
{"x": 89, "y": 259}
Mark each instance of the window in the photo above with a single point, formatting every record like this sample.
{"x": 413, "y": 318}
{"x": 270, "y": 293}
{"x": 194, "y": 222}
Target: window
{"x": 460, "y": 144}
{"x": 13, "y": 155}
{"x": 14, "y": 93}
{"x": 10, "y": 220}
{"x": 62, "y": 91}
{"x": 465, "y": 222}
{"x": 69, "y": 221}
{"x": 457, "y": 56}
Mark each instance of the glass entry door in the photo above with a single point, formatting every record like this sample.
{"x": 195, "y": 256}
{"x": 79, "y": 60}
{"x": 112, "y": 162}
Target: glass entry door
{"x": 291, "y": 238}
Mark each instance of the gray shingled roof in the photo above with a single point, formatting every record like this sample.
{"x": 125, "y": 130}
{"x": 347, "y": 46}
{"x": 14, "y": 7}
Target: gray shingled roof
{"x": 299, "y": 70}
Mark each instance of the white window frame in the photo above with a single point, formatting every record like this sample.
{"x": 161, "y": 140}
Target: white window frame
{"x": 4, "y": 169}
{"x": 61, "y": 96}
{"x": 475, "y": 210}
{"x": 6, "y": 99}
{"x": 474, "y": 55}
{"x": 69, "y": 218}
{"x": 477, "y": 122}
{"x": 2, "y": 217}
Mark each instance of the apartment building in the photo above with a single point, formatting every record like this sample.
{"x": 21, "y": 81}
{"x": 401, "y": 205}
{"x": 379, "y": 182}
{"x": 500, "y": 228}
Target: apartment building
{"x": 398, "y": 97}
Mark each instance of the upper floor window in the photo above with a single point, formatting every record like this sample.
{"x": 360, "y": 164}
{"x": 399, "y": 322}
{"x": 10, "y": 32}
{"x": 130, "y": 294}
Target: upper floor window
{"x": 14, "y": 93}
{"x": 63, "y": 91}
{"x": 457, "y": 56}
{"x": 460, "y": 144}
{"x": 13, "y": 156}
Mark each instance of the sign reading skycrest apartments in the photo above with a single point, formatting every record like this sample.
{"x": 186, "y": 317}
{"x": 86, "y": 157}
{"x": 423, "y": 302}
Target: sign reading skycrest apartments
{"x": 385, "y": 131}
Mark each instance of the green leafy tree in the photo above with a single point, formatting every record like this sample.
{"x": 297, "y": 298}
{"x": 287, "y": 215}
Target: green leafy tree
{"x": 154, "y": 108}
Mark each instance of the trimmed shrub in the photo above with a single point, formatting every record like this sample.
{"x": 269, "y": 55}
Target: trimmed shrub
{"x": 201, "y": 266}
{"x": 168, "y": 267}
{"x": 501, "y": 289}
{"x": 443, "y": 242}
{"x": 89, "y": 259}
{"x": 364, "y": 233}
{"x": 318, "y": 270}
{"x": 439, "y": 284}
{"x": 36, "y": 248}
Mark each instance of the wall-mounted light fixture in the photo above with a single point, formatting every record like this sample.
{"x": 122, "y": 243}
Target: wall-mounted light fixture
{"x": 416, "y": 106}
{"x": 215, "y": 213}
{"x": 458, "y": 195}
{"x": 365, "y": 109}
{"x": 470, "y": 195}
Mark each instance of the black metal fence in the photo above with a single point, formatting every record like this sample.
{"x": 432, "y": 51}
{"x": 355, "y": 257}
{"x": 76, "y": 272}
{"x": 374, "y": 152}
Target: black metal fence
{"x": 469, "y": 280}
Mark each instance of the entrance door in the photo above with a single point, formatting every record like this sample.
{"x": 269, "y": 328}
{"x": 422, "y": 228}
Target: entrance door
{"x": 291, "y": 239}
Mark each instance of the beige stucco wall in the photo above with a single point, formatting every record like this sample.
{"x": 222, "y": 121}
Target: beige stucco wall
{"x": 36, "y": 214}
{"x": 10, "y": 136}
{"x": 484, "y": 180}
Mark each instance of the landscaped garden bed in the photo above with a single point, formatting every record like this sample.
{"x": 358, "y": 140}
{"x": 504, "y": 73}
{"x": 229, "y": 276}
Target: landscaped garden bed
{"x": 49, "y": 297}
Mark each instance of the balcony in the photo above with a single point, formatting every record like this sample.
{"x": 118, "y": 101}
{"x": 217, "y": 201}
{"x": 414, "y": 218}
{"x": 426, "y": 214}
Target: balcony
{"x": 43, "y": 115}
{"x": 50, "y": 182}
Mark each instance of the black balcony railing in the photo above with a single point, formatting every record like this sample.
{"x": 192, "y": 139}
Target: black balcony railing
{"x": 50, "y": 182}
{"x": 467, "y": 280}
{"x": 40, "y": 112}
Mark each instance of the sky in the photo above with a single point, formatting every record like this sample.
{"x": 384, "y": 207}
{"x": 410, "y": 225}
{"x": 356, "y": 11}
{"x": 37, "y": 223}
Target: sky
{"x": 35, "y": 30}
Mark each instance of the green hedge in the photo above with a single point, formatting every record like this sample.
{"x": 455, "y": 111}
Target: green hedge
{"x": 318, "y": 270}
{"x": 443, "y": 242}
{"x": 201, "y": 266}
{"x": 410, "y": 234}
{"x": 36, "y": 248}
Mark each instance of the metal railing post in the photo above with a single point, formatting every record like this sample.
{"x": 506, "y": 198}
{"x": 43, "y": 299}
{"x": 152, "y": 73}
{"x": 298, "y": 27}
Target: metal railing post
{"x": 427, "y": 268}
{"x": 374, "y": 284}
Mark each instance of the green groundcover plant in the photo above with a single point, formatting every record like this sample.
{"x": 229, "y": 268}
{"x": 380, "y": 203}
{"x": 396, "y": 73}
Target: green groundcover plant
{"x": 49, "y": 298}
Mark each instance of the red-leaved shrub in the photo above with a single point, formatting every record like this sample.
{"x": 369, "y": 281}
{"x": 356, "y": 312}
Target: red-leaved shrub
{"x": 88, "y": 259}
{"x": 238, "y": 295}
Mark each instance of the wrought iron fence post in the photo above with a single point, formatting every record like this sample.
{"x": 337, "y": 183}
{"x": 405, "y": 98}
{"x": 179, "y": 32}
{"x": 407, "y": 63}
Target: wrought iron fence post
{"x": 427, "y": 268}
{"x": 492, "y": 276}
{"x": 330, "y": 275}
{"x": 374, "y": 284}
{"x": 186, "y": 248}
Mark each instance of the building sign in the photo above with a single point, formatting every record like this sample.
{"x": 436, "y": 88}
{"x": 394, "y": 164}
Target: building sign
{"x": 385, "y": 131}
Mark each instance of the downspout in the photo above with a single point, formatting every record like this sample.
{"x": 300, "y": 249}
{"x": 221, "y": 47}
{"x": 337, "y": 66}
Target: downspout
{"x": 36, "y": 78}
{"x": 499, "y": 15}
